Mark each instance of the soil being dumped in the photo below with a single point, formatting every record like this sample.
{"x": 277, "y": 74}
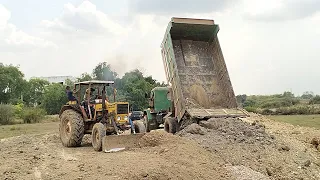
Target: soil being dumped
{"x": 247, "y": 145}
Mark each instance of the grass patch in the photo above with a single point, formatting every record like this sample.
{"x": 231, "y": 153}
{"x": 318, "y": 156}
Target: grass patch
{"x": 301, "y": 120}
{"x": 19, "y": 129}
{"x": 51, "y": 118}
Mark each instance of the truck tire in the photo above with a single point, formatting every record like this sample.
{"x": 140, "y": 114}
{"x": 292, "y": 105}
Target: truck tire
{"x": 170, "y": 125}
{"x": 139, "y": 126}
{"x": 147, "y": 123}
{"x": 71, "y": 128}
{"x": 98, "y": 132}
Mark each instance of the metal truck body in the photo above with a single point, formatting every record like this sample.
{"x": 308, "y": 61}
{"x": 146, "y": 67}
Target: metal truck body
{"x": 196, "y": 70}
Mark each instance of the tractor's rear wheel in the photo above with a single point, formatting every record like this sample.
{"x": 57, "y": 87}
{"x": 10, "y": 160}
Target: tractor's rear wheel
{"x": 98, "y": 132}
{"x": 139, "y": 126}
{"x": 170, "y": 125}
{"x": 71, "y": 128}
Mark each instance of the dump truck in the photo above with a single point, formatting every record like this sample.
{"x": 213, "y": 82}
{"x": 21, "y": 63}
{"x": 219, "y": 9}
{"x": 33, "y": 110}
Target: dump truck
{"x": 200, "y": 86}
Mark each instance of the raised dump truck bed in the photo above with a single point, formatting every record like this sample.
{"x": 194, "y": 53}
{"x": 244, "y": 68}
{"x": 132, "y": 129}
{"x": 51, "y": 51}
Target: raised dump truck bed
{"x": 195, "y": 68}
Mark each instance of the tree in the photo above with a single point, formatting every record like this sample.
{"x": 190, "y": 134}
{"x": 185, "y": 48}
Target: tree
{"x": 69, "y": 82}
{"x": 54, "y": 98}
{"x": 11, "y": 83}
{"x": 307, "y": 95}
{"x": 288, "y": 94}
{"x": 241, "y": 99}
{"x": 315, "y": 100}
{"x": 103, "y": 72}
{"x": 84, "y": 77}
{"x": 34, "y": 90}
{"x": 134, "y": 87}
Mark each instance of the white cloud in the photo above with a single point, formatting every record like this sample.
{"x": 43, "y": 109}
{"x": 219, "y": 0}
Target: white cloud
{"x": 87, "y": 35}
{"x": 14, "y": 39}
{"x": 280, "y": 10}
{"x": 4, "y": 16}
{"x": 84, "y": 18}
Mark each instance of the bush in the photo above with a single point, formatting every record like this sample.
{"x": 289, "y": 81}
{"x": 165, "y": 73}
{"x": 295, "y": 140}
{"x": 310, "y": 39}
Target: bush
{"x": 251, "y": 109}
{"x": 6, "y": 114}
{"x": 267, "y": 112}
{"x": 18, "y": 110}
{"x": 315, "y": 100}
{"x": 33, "y": 115}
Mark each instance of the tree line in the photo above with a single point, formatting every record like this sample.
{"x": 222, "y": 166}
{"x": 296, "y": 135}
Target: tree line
{"x": 37, "y": 94}
{"x": 281, "y": 104}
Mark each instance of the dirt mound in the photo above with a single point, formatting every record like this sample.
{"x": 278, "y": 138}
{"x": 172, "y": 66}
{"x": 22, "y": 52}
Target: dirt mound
{"x": 161, "y": 156}
{"x": 248, "y": 144}
{"x": 157, "y": 138}
{"x": 193, "y": 129}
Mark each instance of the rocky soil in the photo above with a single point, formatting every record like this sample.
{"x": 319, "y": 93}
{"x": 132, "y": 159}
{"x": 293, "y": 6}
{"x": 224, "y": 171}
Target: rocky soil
{"x": 248, "y": 144}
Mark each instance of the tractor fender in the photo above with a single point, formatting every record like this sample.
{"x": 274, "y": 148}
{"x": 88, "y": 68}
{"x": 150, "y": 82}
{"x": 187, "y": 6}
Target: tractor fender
{"x": 75, "y": 107}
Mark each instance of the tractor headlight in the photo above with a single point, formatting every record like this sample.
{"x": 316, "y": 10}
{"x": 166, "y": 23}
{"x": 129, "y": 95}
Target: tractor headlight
{"x": 126, "y": 118}
{"x": 118, "y": 118}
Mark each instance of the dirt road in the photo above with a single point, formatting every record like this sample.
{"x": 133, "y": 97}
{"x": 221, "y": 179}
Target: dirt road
{"x": 222, "y": 149}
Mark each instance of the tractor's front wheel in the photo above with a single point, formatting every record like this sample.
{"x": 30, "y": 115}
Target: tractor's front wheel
{"x": 71, "y": 128}
{"x": 98, "y": 132}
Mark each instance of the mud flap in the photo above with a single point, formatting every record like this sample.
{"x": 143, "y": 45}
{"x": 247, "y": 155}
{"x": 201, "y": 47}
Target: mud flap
{"x": 115, "y": 143}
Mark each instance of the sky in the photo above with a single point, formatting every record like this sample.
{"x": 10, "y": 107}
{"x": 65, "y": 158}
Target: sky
{"x": 270, "y": 46}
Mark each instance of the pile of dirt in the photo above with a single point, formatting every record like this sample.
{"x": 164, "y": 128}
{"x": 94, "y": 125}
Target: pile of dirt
{"x": 247, "y": 144}
{"x": 231, "y": 130}
{"x": 161, "y": 156}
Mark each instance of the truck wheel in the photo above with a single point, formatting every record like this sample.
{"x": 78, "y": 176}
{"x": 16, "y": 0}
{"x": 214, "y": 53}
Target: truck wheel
{"x": 98, "y": 132}
{"x": 71, "y": 128}
{"x": 170, "y": 125}
{"x": 139, "y": 127}
{"x": 147, "y": 123}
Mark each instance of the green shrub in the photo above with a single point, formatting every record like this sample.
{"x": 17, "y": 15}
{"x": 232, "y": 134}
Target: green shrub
{"x": 6, "y": 114}
{"x": 267, "y": 112}
{"x": 298, "y": 109}
{"x": 251, "y": 109}
{"x": 33, "y": 115}
{"x": 18, "y": 110}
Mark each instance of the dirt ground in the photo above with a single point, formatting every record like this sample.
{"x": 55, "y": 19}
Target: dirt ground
{"x": 254, "y": 148}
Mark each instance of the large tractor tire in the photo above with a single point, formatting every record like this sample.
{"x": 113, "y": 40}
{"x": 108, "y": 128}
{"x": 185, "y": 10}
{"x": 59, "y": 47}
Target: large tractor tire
{"x": 171, "y": 125}
{"x": 71, "y": 128}
{"x": 98, "y": 132}
{"x": 139, "y": 126}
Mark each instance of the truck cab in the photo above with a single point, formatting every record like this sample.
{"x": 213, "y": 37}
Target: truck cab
{"x": 160, "y": 104}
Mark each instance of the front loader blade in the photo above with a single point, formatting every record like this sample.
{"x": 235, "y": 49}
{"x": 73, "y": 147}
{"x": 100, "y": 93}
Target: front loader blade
{"x": 114, "y": 143}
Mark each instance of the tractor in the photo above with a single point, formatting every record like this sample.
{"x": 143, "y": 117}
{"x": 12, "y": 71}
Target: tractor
{"x": 96, "y": 115}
